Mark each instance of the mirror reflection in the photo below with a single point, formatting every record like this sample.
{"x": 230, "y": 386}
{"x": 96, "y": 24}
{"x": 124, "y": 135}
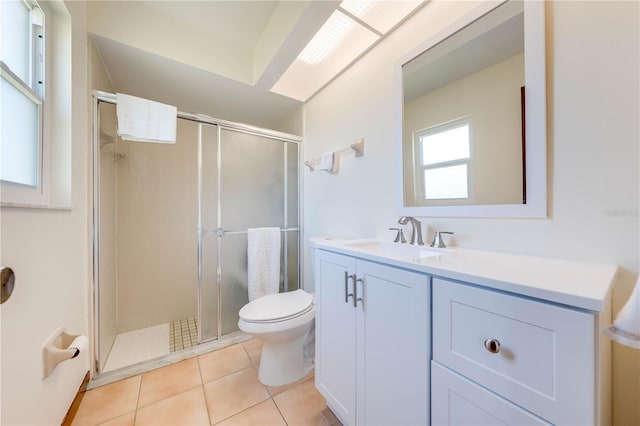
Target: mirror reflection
{"x": 463, "y": 116}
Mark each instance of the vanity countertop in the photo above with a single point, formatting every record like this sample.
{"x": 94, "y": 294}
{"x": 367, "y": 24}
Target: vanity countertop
{"x": 583, "y": 285}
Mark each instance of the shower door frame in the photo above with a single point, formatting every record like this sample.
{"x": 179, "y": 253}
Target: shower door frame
{"x": 202, "y": 119}
{"x": 220, "y": 231}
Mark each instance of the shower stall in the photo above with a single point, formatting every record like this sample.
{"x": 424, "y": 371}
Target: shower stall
{"x": 170, "y": 231}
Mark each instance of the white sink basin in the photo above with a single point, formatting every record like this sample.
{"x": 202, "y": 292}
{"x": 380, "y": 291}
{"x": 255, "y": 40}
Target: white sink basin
{"x": 397, "y": 250}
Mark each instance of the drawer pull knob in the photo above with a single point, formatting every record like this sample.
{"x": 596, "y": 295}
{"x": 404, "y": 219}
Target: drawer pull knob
{"x": 492, "y": 345}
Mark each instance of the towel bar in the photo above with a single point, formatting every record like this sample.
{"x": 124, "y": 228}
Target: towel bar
{"x": 357, "y": 147}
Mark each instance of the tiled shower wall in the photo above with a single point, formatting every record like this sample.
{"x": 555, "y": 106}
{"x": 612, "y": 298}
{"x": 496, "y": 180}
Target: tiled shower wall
{"x": 156, "y": 230}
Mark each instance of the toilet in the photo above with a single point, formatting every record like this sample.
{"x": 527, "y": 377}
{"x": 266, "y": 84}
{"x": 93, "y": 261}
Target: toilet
{"x": 284, "y": 322}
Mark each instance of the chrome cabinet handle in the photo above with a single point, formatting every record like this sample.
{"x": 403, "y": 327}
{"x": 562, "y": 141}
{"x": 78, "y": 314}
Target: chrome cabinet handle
{"x": 492, "y": 345}
{"x": 346, "y": 287}
{"x": 355, "y": 290}
{"x": 357, "y": 299}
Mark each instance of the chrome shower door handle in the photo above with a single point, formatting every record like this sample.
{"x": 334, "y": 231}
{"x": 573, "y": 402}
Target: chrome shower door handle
{"x": 346, "y": 287}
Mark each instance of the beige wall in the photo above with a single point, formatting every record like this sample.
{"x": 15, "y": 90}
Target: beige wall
{"x": 593, "y": 134}
{"x": 49, "y": 252}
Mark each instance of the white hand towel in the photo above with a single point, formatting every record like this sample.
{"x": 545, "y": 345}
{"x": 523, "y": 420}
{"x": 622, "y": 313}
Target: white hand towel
{"x": 328, "y": 162}
{"x": 263, "y": 266}
{"x": 143, "y": 120}
{"x": 626, "y": 327}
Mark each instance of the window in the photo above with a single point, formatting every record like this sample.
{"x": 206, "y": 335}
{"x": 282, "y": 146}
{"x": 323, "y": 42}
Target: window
{"x": 443, "y": 159}
{"x": 22, "y": 88}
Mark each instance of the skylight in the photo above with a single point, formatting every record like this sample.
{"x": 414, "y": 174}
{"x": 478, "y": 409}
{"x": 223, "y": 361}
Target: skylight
{"x": 353, "y": 28}
{"x": 326, "y": 40}
{"x": 356, "y": 7}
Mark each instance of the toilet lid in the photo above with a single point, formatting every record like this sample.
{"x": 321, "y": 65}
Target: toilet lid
{"x": 277, "y": 306}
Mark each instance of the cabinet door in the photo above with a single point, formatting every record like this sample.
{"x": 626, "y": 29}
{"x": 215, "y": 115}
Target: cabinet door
{"x": 335, "y": 335}
{"x": 393, "y": 343}
{"x": 456, "y": 400}
{"x": 544, "y": 360}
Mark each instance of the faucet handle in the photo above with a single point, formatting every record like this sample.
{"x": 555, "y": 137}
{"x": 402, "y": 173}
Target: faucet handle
{"x": 399, "y": 236}
{"x": 437, "y": 239}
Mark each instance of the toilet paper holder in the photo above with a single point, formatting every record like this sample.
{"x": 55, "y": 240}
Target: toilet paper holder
{"x": 61, "y": 347}
{"x": 7, "y": 279}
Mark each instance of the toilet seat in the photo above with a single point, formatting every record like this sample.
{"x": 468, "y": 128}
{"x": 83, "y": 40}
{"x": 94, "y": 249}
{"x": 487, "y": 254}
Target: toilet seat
{"x": 277, "y": 307}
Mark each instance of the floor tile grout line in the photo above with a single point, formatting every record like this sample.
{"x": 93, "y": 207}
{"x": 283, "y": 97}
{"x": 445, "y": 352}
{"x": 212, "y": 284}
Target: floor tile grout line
{"x": 204, "y": 392}
{"x": 270, "y": 394}
{"x": 170, "y": 396}
{"x": 284, "y": 419}
{"x": 225, "y": 375}
{"x": 135, "y": 414}
{"x": 247, "y": 352}
{"x": 246, "y": 409}
{"x": 251, "y": 365}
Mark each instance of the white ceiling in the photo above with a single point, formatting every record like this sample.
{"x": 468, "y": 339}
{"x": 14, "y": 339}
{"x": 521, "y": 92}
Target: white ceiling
{"x": 214, "y": 57}
{"x": 140, "y": 73}
{"x": 239, "y": 21}
{"x": 206, "y": 56}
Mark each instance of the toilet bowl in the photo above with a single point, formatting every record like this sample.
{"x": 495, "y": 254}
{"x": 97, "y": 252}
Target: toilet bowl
{"x": 284, "y": 323}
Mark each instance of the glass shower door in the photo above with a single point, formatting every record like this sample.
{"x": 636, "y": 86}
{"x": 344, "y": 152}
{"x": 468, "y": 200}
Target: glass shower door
{"x": 253, "y": 194}
{"x": 247, "y": 181}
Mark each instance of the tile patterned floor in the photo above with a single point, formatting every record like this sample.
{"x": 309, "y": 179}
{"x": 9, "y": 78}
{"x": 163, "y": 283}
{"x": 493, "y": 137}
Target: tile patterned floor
{"x": 183, "y": 334}
{"x": 217, "y": 388}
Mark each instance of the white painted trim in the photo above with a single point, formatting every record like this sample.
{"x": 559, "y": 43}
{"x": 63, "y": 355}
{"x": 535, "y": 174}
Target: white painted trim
{"x": 536, "y": 119}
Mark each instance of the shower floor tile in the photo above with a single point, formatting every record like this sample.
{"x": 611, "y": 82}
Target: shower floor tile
{"x": 137, "y": 346}
{"x": 183, "y": 334}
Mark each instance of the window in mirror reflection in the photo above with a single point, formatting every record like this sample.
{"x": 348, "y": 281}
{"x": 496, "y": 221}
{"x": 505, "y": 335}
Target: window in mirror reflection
{"x": 444, "y": 156}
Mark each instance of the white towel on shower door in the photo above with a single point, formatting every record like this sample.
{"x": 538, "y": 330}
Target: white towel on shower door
{"x": 142, "y": 120}
{"x": 263, "y": 265}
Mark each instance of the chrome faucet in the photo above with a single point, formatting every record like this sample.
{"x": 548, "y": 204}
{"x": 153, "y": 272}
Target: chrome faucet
{"x": 399, "y": 236}
{"x": 437, "y": 239}
{"x": 416, "y": 230}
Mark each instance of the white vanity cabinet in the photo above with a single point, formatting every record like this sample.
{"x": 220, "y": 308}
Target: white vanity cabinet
{"x": 456, "y": 400}
{"x": 372, "y": 341}
{"x": 459, "y": 337}
{"x": 541, "y": 357}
